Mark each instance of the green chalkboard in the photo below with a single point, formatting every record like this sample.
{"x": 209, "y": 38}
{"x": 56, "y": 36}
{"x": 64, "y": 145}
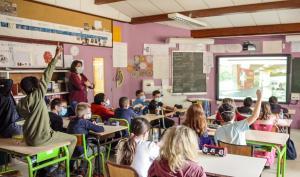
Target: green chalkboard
{"x": 296, "y": 75}
{"x": 188, "y": 76}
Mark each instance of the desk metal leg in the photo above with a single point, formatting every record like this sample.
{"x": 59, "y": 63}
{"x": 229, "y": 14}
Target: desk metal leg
{"x": 67, "y": 154}
{"x": 99, "y": 161}
{"x": 281, "y": 157}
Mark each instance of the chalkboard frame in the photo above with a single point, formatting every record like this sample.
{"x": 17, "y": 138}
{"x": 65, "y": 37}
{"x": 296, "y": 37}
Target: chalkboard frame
{"x": 288, "y": 78}
{"x": 187, "y": 93}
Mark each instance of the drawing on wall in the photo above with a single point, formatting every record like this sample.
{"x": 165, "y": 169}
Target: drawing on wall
{"x": 141, "y": 66}
{"x": 7, "y": 7}
{"x": 119, "y": 78}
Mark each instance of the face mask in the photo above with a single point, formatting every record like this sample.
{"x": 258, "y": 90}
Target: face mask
{"x": 89, "y": 116}
{"x": 63, "y": 111}
{"x": 143, "y": 98}
{"x": 79, "y": 70}
{"x": 158, "y": 99}
{"x": 107, "y": 102}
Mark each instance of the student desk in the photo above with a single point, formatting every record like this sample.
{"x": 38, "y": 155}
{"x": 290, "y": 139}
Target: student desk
{"x": 152, "y": 117}
{"x": 285, "y": 123}
{"x": 211, "y": 119}
{"x": 271, "y": 139}
{"x": 109, "y": 132}
{"x": 232, "y": 165}
{"x": 37, "y": 157}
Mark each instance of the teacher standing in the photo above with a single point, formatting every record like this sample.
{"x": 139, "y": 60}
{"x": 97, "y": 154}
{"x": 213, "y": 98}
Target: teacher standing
{"x": 78, "y": 84}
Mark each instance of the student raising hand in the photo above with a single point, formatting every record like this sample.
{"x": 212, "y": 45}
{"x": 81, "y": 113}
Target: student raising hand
{"x": 58, "y": 51}
{"x": 257, "y": 108}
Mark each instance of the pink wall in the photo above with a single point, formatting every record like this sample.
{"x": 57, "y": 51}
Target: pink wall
{"x": 135, "y": 36}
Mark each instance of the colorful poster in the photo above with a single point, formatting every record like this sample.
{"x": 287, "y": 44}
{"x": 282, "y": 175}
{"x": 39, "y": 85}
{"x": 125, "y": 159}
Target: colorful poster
{"x": 142, "y": 66}
{"x": 7, "y": 7}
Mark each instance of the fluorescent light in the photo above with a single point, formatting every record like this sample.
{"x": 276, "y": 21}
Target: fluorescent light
{"x": 186, "y": 20}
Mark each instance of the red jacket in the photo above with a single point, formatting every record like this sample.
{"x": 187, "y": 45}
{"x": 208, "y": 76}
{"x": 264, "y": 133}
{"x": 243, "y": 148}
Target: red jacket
{"x": 100, "y": 110}
{"x": 238, "y": 117}
{"x": 77, "y": 88}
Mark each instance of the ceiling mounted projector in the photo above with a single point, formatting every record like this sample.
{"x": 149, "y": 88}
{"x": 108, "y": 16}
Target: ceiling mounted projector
{"x": 186, "y": 20}
{"x": 248, "y": 46}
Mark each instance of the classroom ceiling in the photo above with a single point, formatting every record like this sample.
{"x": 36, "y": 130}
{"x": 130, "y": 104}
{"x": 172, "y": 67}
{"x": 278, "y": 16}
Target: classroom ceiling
{"x": 143, "y": 8}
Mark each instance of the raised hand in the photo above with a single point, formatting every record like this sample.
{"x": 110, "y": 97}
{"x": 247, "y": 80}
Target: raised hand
{"x": 259, "y": 94}
{"x": 58, "y": 51}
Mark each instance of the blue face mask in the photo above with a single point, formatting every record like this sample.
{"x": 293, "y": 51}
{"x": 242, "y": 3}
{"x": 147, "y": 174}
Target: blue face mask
{"x": 63, "y": 111}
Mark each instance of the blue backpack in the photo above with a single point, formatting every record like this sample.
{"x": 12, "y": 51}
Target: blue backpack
{"x": 291, "y": 153}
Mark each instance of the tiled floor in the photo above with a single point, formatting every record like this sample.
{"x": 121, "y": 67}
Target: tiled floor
{"x": 293, "y": 166}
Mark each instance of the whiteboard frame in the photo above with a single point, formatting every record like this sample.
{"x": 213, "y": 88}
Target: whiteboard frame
{"x": 190, "y": 93}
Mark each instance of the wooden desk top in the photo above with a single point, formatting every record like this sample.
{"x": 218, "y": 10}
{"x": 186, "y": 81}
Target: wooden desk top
{"x": 19, "y": 147}
{"x": 232, "y": 165}
{"x": 267, "y": 137}
{"x": 284, "y": 122}
{"x": 109, "y": 129}
{"x": 152, "y": 117}
{"x": 212, "y": 117}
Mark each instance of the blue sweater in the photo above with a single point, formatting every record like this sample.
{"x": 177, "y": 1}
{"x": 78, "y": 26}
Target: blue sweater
{"x": 82, "y": 126}
{"x": 127, "y": 114}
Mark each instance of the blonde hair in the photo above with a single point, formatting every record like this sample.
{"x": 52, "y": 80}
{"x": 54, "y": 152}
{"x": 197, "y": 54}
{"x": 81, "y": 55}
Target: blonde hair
{"x": 82, "y": 109}
{"x": 180, "y": 144}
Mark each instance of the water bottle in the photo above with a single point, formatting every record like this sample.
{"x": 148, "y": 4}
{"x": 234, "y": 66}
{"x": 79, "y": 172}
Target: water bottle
{"x": 281, "y": 115}
{"x": 155, "y": 135}
{"x": 157, "y": 111}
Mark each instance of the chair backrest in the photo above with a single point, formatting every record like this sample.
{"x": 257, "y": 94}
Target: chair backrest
{"x": 122, "y": 122}
{"x": 81, "y": 142}
{"x": 97, "y": 118}
{"x": 237, "y": 149}
{"x": 115, "y": 170}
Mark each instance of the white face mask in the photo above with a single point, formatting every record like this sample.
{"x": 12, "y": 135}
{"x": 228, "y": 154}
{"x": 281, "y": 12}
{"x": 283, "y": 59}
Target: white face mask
{"x": 107, "y": 102}
{"x": 79, "y": 70}
{"x": 143, "y": 97}
{"x": 88, "y": 116}
{"x": 158, "y": 99}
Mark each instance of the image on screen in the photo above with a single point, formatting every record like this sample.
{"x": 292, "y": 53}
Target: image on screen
{"x": 241, "y": 76}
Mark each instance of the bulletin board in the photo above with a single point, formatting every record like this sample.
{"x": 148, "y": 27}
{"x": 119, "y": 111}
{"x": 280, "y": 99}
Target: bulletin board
{"x": 48, "y": 13}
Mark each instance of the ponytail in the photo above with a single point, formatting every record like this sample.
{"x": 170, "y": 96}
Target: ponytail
{"x": 139, "y": 126}
{"x": 129, "y": 148}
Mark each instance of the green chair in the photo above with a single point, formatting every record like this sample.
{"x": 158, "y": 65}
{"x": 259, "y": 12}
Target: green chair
{"x": 122, "y": 122}
{"x": 97, "y": 118}
{"x": 81, "y": 141}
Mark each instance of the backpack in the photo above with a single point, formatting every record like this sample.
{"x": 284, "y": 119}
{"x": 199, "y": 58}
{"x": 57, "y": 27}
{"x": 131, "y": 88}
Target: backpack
{"x": 291, "y": 153}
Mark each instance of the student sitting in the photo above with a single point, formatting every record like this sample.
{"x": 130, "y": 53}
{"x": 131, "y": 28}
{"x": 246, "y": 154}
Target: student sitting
{"x": 36, "y": 129}
{"x": 99, "y": 107}
{"x": 178, "y": 155}
{"x": 8, "y": 116}
{"x": 238, "y": 116}
{"x": 82, "y": 125}
{"x": 125, "y": 112}
{"x": 8, "y": 112}
{"x": 266, "y": 119}
{"x": 140, "y": 104}
{"x": 265, "y": 122}
{"x": 234, "y": 132}
{"x": 246, "y": 109}
{"x": 156, "y": 105}
{"x": 137, "y": 151}
{"x": 196, "y": 120}
{"x": 57, "y": 111}
{"x": 275, "y": 107}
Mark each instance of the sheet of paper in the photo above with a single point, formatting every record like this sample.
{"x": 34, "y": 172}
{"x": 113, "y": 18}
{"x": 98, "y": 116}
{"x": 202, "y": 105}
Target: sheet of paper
{"x": 161, "y": 67}
{"x": 156, "y": 49}
{"x": 217, "y": 48}
{"x": 295, "y": 46}
{"x": 120, "y": 54}
{"x": 68, "y": 59}
{"x": 165, "y": 83}
{"x": 208, "y": 62}
{"x": 5, "y": 56}
{"x": 272, "y": 47}
{"x": 192, "y": 47}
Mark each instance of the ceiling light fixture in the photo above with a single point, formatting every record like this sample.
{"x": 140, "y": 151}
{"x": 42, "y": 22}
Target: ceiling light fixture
{"x": 186, "y": 20}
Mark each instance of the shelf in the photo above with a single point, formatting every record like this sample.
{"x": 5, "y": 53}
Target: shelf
{"x": 47, "y": 94}
{"x": 21, "y": 71}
